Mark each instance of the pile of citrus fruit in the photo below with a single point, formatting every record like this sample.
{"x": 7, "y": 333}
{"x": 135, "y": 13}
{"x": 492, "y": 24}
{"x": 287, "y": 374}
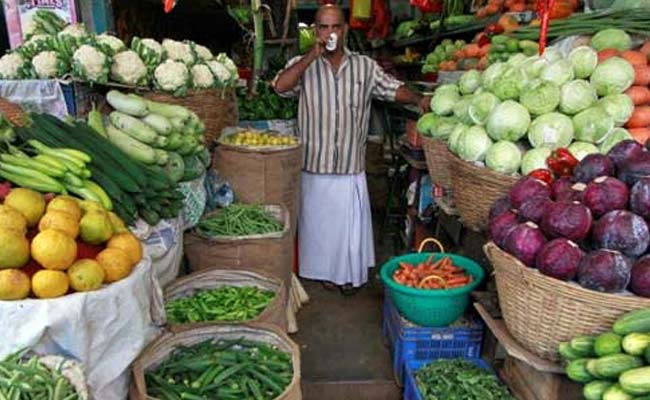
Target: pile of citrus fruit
{"x": 51, "y": 248}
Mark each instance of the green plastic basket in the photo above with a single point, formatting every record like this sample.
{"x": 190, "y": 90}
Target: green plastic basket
{"x": 426, "y": 307}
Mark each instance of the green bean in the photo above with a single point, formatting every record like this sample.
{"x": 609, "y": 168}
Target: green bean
{"x": 239, "y": 220}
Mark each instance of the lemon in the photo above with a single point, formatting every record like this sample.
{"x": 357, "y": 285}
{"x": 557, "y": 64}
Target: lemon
{"x": 29, "y": 202}
{"x": 54, "y": 249}
{"x": 129, "y": 244}
{"x": 48, "y": 284}
{"x": 66, "y": 204}
{"x": 14, "y": 249}
{"x": 14, "y": 284}
{"x": 116, "y": 264}
{"x": 86, "y": 275}
{"x": 61, "y": 220}
{"x": 10, "y": 218}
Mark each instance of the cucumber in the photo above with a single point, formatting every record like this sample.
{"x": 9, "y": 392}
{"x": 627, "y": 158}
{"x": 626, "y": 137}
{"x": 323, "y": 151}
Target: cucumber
{"x": 175, "y": 168}
{"x": 594, "y": 390}
{"x": 159, "y": 123}
{"x": 567, "y": 352}
{"x": 608, "y": 343}
{"x": 133, "y": 127}
{"x": 636, "y": 381}
{"x": 162, "y": 157}
{"x": 168, "y": 110}
{"x": 583, "y": 345}
{"x": 591, "y": 368}
{"x": 636, "y": 343}
{"x": 175, "y": 141}
{"x": 634, "y": 321}
{"x": 616, "y": 392}
{"x": 612, "y": 366}
{"x": 136, "y": 150}
{"x": 577, "y": 371}
{"x": 130, "y": 105}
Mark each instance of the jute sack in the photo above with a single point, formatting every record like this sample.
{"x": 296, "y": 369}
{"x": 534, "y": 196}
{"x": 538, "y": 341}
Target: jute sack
{"x": 270, "y": 254}
{"x": 162, "y": 348}
{"x": 266, "y": 176}
{"x": 275, "y": 312}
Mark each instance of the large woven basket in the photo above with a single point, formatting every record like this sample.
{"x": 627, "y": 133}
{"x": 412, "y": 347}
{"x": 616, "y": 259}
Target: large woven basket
{"x": 540, "y": 312}
{"x": 475, "y": 189}
{"x": 437, "y": 155}
{"x": 217, "y": 108}
{"x": 12, "y": 112}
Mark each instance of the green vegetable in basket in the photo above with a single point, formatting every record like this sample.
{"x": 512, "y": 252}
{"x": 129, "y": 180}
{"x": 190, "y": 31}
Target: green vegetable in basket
{"x": 227, "y": 303}
{"x": 239, "y": 220}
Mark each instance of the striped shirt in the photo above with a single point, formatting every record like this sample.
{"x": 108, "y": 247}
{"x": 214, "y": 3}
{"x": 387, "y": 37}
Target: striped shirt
{"x": 334, "y": 111}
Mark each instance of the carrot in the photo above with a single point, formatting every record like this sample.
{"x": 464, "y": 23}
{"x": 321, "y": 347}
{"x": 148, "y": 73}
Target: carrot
{"x": 641, "y": 75}
{"x": 640, "y": 95}
{"x": 459, "y": 54}
{"x": 472, "y": 50}
{"x": 645, "y": 49}
{"x": 482, "y": 13}
{"x": 635, "y": 57}
{"x": 640, "y": 118}
{"x": 607, "y": 53}
{"x": 641, "y": 135}
{"x": 519, "y": 7}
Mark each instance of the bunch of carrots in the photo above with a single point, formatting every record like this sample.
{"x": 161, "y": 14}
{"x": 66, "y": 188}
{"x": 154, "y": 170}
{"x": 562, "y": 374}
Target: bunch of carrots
{"x": 639, "y": 122}
{"x": 560, "y": 9}
{"x": 441, "y": 274}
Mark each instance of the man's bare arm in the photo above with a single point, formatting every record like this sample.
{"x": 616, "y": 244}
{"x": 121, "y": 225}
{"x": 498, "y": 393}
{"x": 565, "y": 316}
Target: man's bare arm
{"x": 407, "y": 96}
{"x": 289, "y": 78}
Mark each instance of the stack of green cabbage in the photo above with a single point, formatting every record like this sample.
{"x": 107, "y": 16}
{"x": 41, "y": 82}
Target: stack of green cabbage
{"x": 171, "y": 66}
{"x": 511, "y": 116}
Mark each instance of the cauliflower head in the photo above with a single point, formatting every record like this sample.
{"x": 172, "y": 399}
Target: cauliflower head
{"x": 128, "y": 68}
{"x": 202, "y": 77}
{"x": 179, "y": 51}
{"x": 90, "y": 64}
{"x": 203, "y": 52}
{"x": 35, "y": 45}
{"x": 150, "y": 51}
{"x": 48, "y": 64}
{"x": 12, "y": 66}
{"x": 220, "y": 71}
{"x": 110, "y": 43}
{"x": 230, "y": 64}
{"x": 172, "y": 76}
{"x": 77, "y": 31}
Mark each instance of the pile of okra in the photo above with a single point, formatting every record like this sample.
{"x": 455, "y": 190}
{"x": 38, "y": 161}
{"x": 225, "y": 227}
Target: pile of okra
{"x": 225, "y": 370}
{"x": 28, "y": 379}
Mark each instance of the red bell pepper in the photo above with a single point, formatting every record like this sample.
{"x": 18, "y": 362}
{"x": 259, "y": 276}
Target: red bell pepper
{"x": 562, "y": 162}
{"x": 543, "y": 175}
{"x": 168, "y": 5}
{"x": 494, "y": 29}
{"x": 544, "y": 8}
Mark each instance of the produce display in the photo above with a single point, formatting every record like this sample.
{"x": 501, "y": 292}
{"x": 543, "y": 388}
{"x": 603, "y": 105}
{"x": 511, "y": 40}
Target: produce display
{"x": 589, "y": 226}
{"x": 224, "y": 369}
{"x": 30, "y": 378}
{"x": 614, "y": 365}
{"x": 459, "y": 379}
{"x": 54, "y": 50}
{"x": 49, "y": 248}
{"x": 559, "y": 8}
{"x": 259, "y": 139}
{"x": 441, "y": 274}
{"x": 513, "y": 115}
{"x": 225, "y": 304}
{"x": 239, "y": 220}
{"x": 266, "y": 105}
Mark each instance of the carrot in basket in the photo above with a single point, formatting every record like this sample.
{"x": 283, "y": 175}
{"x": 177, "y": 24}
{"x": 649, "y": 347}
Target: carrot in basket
{"x": 640, "y": 117}
{"x": 640, "y": 95}
{"x": 641, "y": 75}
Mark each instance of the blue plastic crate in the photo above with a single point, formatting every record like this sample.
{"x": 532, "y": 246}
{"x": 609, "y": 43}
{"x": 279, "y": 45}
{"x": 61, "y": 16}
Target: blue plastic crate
{"x": 411, "y": 391}
{"x": 410, "y": 342}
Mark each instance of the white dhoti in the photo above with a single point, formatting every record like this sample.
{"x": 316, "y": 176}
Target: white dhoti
{"x": 335, "y": 229}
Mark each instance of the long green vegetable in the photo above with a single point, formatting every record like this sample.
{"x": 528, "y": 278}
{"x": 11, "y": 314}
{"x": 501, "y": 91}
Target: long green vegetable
{"x": 28, "y": 379}
{"x": 630, "y": 20}
{"x": 224, "y": 370}
{"x": 457, "y": 379}
{"x": 239, "y": 220}
{"x": 227, "y": 303}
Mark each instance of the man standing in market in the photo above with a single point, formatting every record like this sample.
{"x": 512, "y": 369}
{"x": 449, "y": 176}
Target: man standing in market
{"x": 335, "y": 87}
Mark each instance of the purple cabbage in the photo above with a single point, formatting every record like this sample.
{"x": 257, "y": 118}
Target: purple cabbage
{"x": 605, "y": 194}
{"x": 634, "y": 169}
{"x": 533, "y": 209}
{"x": 604, "y": 270}
{"x": 559, "y": 259}
{"x": 640, "y": 280}
{"x": 567, "y": 219}
{"x": 640, "y": 198}
{"x": 524, "y": 242}
{"x": 593, "y": 166}
{"x": 501, "y": 205}
{"x": 622, "y": 231}
{"x": 499, "y": 227}
{"x": 625, "y": 151}
{"x": 526, "y": 188}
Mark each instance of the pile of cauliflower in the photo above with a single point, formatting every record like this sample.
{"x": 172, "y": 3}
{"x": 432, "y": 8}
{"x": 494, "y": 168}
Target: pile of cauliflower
{"x": 171, "y": 66}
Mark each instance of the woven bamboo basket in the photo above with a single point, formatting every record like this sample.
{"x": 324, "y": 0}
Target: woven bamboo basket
{"x": 437, "y": 155}
{"x": 217, "y": 108}
{"x": 13, "y": 112}
{"x": 475, "y": 189}
{"x": 162, "y": 347}
{"x": 540, "y": 312}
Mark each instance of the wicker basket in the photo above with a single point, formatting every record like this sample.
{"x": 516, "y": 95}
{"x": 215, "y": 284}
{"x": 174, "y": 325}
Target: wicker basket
{"x": 540, "y": 312}
{"x": 162, "y": 347}
{"x": 13, "y": 112}
{"x": 215, "y": 107}
{"x": 475, "y": 190}
{"x": 437, "y": 155}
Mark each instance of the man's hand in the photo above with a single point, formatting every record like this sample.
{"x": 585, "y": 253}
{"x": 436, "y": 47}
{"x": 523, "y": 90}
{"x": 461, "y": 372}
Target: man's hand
{"x": 317, "y": 50}
{"x": 425, "y": 104}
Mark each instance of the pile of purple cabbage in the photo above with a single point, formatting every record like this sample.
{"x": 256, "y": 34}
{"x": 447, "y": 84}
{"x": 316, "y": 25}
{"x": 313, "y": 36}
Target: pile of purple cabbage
{"x": 590, "y": 227}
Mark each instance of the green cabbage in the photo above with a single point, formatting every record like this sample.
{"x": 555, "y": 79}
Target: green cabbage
{"x": 540, "y": 97}
{"x": 509, "y": 85}
{"x": 611, "y": 39}
{"x": 614, "y": 137}
{"x": 552, "y": 54}
{"x": 584, "y": 60}
{"x": 618, "y": 106}
{"x": 503, "y": 157}
{"x": 473, "y": 144}
{"x": 533, "y": 66}
{"x": 459, "y": 129}
{"x": 592, "y": 125}
{"x": 576, "y": 96}
{"x": 425, "y": 123}
{"x": 444, "y": 98}
{"x": 581, "y": 150}
{"x": 508, "y": 121}
{"x": 558, "y": 72}
{"x": 613, "y": 76}
{"x": 491, "y": 74}
{"x": 469, "y": 81}
{"x": 551, "y": 130}
{"x": 517, "y": 59}
{"x": 480, "y": 107}
{"x": 534, "y": 159}
{"x": 461, "y": 110}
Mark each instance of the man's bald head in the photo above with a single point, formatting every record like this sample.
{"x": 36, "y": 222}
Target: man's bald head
{"x": 327, "y": 9}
